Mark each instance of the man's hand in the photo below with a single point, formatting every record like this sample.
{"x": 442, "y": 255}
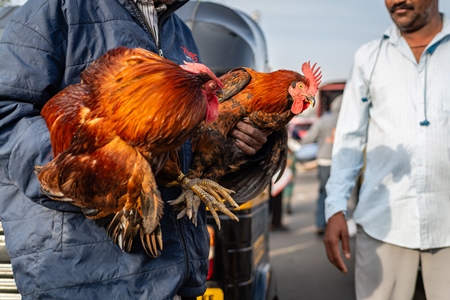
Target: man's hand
{"x": 248, "y": 138}
{"x": 336, "y": 232}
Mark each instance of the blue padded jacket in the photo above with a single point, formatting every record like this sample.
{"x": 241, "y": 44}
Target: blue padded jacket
{"x": 56, "y": 252}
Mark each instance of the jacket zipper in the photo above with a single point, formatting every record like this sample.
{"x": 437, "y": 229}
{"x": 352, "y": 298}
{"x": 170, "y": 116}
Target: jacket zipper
{"x": 183, "y": 241}
{"x": 144, "y": 25}
{"x": 179, "y": 225}
{"x": 161, "y": 20}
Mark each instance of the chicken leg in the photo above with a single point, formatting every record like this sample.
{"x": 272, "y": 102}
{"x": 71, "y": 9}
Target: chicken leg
{"x": 207, "y": 191}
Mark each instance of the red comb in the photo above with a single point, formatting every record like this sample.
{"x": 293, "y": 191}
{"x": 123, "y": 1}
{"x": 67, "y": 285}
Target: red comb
{"x": 198, "y": 68}
{"x": 313, "y": 75}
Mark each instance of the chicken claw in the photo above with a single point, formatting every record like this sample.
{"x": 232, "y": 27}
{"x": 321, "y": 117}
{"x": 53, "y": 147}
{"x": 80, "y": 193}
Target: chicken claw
{"x": 208, "y": 191}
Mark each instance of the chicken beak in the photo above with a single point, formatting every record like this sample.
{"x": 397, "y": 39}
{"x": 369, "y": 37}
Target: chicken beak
{"x": 311, "y": 100}
{"x": 219, "y": 95}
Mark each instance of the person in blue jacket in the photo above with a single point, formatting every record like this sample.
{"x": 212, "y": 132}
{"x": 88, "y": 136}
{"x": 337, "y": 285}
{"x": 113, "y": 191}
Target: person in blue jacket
{"x": 56, "y": 252}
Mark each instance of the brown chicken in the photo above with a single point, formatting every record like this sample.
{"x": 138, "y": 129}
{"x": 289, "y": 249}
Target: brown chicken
{"x": 113, "y": 132}
{"x": 269, "y": 101}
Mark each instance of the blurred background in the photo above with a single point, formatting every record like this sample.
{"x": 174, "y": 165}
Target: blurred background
{"x": 325, "y": 32}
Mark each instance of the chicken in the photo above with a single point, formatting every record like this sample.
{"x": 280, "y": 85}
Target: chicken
{"x": 113, "y": 132}
{"x": 219, "y": 168}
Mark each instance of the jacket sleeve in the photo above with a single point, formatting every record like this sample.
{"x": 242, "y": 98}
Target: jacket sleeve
{"x": 30, "y": 73}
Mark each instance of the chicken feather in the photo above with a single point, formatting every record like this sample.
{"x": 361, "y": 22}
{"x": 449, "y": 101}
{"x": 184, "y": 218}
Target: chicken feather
{"x": 269, "y": 101}
{"x": 114, "y": 131}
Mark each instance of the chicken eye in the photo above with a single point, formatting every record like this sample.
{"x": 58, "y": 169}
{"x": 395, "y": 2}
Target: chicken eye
{"x": 300, "y": 85}
{"x": 212, "y": 85}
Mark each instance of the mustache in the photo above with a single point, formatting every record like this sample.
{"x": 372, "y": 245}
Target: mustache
{"x": 400, "y": 6}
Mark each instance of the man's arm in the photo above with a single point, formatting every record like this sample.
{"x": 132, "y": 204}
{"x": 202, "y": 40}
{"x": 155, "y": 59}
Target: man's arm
{"x": 347, "y": 161}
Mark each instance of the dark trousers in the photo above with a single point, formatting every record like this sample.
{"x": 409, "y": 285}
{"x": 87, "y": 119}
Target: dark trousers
{"x": 276, "y": 209}
{"x": 323, "y": 174}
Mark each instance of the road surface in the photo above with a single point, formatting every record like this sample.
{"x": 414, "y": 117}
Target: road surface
{"x": 302, "y": 270}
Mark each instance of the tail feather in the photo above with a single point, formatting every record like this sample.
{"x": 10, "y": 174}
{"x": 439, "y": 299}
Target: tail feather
{"x": 151, "y": 208}
{"x": 50, "y": 189}
{"x": 124, "y": 227}
{"x": 38, "y": 169}
{"x": 152, "y": 242}
{"x": 57, "y": 197}
{"x": 129, "y": 232}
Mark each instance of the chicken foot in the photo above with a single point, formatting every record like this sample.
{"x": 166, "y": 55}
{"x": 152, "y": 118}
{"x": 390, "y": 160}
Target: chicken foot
{"x": 209, "y": 192}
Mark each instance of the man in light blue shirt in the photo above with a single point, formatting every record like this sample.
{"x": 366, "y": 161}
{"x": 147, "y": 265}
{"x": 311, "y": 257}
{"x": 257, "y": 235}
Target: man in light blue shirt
{"x": 395, "y": 121}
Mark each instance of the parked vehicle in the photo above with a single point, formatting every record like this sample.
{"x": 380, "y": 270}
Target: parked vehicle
{"x": 227, "y": 38}
{"x": 327, "y": 92}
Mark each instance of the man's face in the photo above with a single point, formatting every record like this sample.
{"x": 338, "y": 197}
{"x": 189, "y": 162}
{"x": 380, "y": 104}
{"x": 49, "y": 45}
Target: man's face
{"x": 411, "y": 15}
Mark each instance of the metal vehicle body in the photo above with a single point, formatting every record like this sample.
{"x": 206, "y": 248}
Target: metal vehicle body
{"x": 326, "y": 94}
{"x": 239, "y": 257}
{"x": 239, "y": 254}
{"x": 227, "y": 38}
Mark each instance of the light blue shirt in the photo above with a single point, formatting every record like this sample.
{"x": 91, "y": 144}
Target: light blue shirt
{"x": 405, "y": 195}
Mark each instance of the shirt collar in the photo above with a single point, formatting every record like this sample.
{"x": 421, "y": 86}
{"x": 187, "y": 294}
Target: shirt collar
{"x": 159, "y": 8}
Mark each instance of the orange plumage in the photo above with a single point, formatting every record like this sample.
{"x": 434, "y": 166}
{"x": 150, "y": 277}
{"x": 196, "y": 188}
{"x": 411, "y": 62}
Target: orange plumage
{"x": 113, "y": 132}
{"x": 269, "y": 101}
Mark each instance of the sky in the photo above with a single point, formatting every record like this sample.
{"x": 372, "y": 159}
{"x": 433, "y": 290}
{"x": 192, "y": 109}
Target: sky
{"x": 324, "y": 31}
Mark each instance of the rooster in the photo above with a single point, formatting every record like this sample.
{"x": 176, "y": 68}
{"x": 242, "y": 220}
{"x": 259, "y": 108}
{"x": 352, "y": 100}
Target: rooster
{"x": 269, "y": 101}
{"x": 113, "y": 132}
